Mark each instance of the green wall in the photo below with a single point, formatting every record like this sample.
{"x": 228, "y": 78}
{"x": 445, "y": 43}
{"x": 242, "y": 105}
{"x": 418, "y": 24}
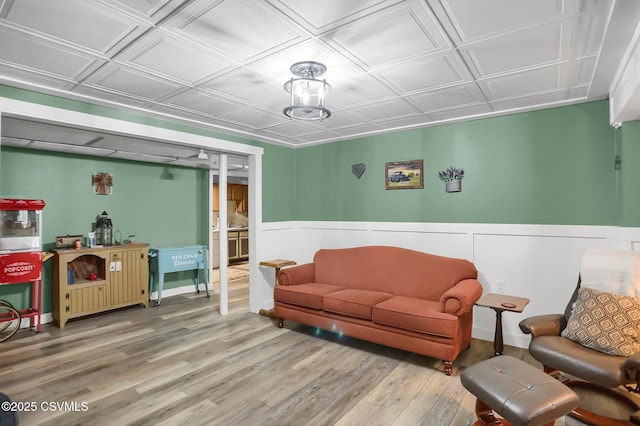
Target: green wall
{"x": 553, "y": 166}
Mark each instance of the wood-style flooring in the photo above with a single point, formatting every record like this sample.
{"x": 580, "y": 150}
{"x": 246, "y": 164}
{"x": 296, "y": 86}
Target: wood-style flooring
{"x": 184, "y": 364}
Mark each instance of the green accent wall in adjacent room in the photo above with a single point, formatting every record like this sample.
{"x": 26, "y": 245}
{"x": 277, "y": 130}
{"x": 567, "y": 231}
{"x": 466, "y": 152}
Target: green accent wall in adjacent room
{"x": 144, "y": 203}
{"x": 552, "y": 166}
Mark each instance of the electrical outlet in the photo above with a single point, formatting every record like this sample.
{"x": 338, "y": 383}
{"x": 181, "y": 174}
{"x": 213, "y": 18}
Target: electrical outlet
{"x": 501, "y": 287}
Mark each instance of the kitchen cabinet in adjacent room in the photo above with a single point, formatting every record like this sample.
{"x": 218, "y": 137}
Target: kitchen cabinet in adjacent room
{"x": 235, "y": 192}
{"x": 238, "y": 245}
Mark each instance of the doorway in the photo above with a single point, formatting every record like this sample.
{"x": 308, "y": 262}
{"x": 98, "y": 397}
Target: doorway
{"x": 80, "y": 122}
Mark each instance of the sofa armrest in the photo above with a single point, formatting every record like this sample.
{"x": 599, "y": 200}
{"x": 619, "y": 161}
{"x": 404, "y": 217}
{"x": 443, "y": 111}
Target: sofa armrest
{"x": 544, "y": 325}
{"x": 460, "y": 298}
{"x": 300, "y": 274}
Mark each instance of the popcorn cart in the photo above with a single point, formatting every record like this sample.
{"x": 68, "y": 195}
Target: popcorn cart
{"x": 21, "y": 257}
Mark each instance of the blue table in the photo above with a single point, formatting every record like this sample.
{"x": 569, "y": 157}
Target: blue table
{"x": 163, "y": 260}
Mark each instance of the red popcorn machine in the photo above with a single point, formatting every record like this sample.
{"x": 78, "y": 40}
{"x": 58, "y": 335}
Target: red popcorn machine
{"x": 21, "y": 254}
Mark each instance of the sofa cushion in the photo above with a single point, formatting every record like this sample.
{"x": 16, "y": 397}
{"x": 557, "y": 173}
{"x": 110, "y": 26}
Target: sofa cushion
{"x": 395, "y": 270}
{"x": 354, "y": 303}
{"x": 414, "y": 314}
{"x": 309, "y": 295}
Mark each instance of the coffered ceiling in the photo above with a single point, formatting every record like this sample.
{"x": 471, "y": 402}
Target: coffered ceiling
{"x": 392, "y": 64}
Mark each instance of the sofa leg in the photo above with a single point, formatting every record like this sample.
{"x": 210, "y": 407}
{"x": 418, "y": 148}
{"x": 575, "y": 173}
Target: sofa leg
{"x": 448, "y": 367}
{"x": 280, "y": 322}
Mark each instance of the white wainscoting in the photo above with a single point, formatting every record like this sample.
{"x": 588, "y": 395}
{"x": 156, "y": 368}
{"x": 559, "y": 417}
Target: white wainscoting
{"x": 539, "y": 262}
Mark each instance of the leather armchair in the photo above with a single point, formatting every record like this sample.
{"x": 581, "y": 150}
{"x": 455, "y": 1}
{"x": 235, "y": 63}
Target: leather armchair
{"x": 590, "y": 367}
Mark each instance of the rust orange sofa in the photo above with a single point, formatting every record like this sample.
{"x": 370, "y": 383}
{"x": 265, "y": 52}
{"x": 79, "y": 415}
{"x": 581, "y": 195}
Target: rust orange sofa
{"x": 406, "y": 299}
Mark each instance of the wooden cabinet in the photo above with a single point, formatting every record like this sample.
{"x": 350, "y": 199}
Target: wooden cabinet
{"x": 243, "y": 244}
{"x": 238, "y": 245}
{"x": 96, "y": 279}
{"x": 232, "y": 239}
{"x": 236, "y": 192}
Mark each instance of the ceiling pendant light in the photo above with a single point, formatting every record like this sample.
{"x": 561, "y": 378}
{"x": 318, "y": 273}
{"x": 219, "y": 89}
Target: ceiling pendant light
{"x": 307, "y": 92}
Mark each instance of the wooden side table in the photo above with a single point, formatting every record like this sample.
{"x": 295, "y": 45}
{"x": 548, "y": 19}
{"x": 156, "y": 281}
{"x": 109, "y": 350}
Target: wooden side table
{"x": 501, "y": 303}
{"x": 277, "y": 264}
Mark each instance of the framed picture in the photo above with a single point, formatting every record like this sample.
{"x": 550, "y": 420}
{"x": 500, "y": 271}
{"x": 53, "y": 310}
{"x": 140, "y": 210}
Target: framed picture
{"x": 102, "y": 183}
{"x": 404, "y": 175}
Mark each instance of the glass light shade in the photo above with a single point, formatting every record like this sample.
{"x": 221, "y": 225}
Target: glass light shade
{"x": 307, "y": 93}
{"x": 307, "y": 99}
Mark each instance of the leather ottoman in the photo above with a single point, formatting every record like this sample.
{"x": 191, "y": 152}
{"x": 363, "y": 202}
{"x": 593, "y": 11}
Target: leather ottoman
{"x": 520, "y": 393}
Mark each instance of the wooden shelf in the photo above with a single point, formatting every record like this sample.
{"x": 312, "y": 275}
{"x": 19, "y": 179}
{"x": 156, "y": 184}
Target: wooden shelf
{"x": 123, "y": 280}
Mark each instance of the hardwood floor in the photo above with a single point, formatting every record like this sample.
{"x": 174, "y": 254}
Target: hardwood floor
{"x": 184, "y": 364}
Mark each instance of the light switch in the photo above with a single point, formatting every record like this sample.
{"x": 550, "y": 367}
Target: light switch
{"x": 112, "y": 266}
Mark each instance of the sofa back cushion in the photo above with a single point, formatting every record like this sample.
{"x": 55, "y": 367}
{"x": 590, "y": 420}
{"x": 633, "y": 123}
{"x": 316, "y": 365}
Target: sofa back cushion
{"x": 395, "y": 270}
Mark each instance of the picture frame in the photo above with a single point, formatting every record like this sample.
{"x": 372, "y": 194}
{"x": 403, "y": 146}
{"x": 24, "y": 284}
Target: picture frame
{"x": 404, "y": 174}
{"x": 102, "y": 183}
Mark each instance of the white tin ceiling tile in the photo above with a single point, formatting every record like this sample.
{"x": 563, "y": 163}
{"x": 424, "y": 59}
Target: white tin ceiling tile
{"x": 450, "y": 97}
{"x": 340, "y": 119}
{"x": 590, "y": 5}
{"x": 480, "y": 19}
{"x": 151, "y": 10}
{"x": 523, "y": 83}
{"x": 109, "y": 96}
{"x": 585, "y": 69}
{"x": 589, "y": 31}
{"x": 319, "y": 18}
{"x": 357, "y": 131}
{"x": 425, "y": 73}
{"x": 356, "y": 90}
{"x": 543, "y": 45}
{"x": 162, "y": 53}
{"x": 12, "y": 76}
{"x": 241, "y": 29}
{"x": 548, "y": 99}
{"x": 118, "y": 78}
{"x": 29, "y": 52}
{"x": 202, "y": 102}
{"x": 275, "y": 105}
{"x": 291, "y": 128}
{"x": 397, "y": 33}
{"x": 403, "y": 123}
{"x": 252, "y": 118}
{"x": 453, "y": 114}
{"x": 279, "y": 64}
{"x": 579, "y": 92}
{"x": 245, "y": 84}
{"x": 392, "y": 108}
{"x": 89, "y": 24}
